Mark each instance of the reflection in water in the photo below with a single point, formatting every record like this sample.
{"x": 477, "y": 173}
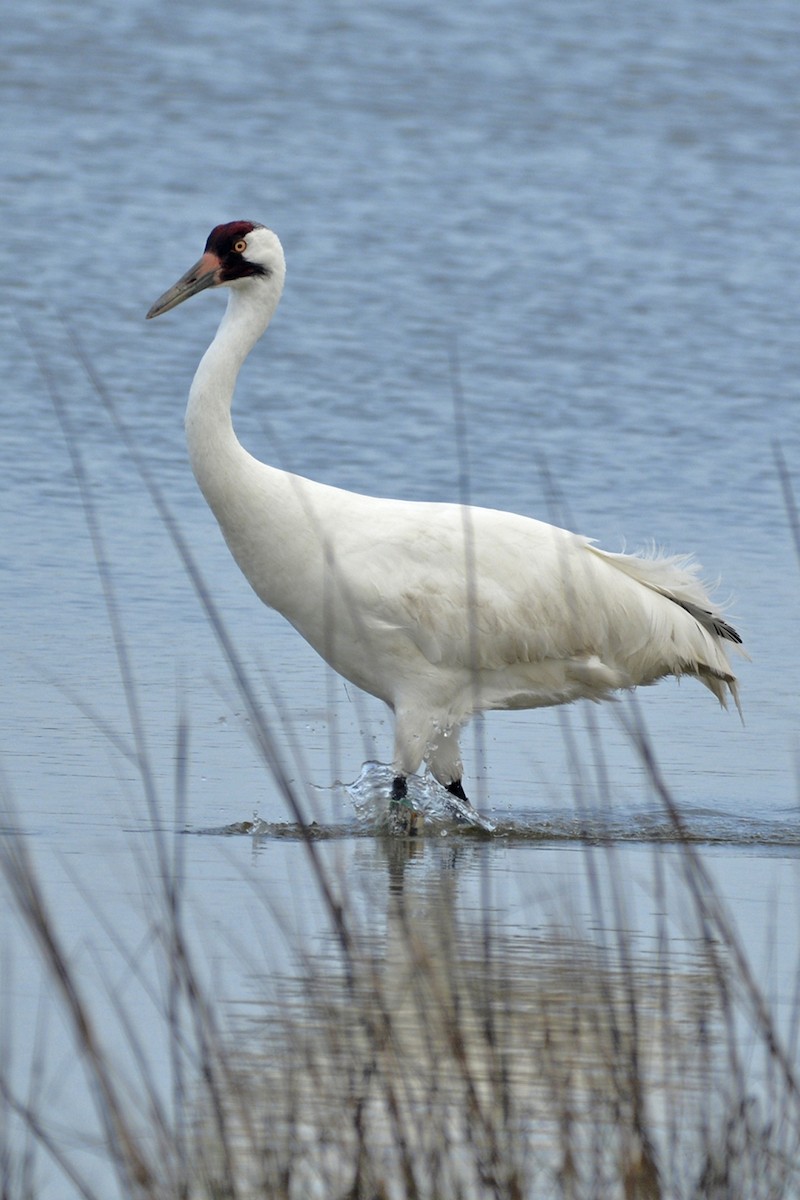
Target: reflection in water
{"x": 444, "y": 1056}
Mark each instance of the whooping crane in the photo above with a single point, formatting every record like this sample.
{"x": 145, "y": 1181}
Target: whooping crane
{"x": 440, "y": 610}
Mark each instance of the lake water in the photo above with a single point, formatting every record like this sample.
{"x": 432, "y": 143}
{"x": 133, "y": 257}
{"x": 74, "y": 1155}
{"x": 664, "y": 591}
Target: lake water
{"x": 600, "y": 211}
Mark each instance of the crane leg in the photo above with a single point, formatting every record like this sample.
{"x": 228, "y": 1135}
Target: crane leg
{"x": 402, "y": 815}
{"x": 399, "y": 788}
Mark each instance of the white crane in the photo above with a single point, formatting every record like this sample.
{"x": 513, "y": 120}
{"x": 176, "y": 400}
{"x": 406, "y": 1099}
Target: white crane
{"x": 440, "y": 610}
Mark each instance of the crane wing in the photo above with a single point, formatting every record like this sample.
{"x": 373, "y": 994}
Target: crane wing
{"x": 490, "y": 590}
{"x": 483, "y": 589}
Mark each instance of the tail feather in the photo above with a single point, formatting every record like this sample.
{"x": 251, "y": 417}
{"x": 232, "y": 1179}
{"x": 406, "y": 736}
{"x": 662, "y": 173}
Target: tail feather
{"x": 722, "y": 685}
{"x": 677, "y": 578}
{"x": 710, "y": 620}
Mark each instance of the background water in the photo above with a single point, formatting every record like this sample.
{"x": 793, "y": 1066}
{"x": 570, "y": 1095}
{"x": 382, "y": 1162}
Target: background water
{"x": 600, "y": 210}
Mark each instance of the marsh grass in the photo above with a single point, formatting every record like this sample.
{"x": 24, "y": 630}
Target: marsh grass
{"x": 442, "y": 1059}
{"x": 425, "y": 1061}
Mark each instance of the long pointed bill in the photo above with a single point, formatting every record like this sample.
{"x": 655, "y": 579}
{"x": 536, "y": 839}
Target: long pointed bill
{"x": 204, "y": 274}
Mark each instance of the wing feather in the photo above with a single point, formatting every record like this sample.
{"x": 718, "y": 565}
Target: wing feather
{"x": 487, "y": 590}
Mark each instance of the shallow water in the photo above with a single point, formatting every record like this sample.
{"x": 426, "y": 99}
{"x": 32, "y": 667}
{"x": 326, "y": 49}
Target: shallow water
{"x": 534, "y": 1054}
{"x": 601, "y": 217}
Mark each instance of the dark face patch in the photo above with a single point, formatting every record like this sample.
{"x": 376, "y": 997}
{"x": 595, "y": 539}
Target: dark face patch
{"x": 233, "y": 265}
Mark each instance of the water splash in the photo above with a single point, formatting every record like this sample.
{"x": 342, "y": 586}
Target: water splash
{"x": 440, "y": 813}
{"x": 438, "y": 809}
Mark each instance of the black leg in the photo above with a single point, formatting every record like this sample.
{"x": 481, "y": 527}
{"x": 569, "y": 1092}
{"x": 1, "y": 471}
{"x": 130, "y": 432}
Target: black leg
{"x": 455, "y": 789}
{"x": 399, "y": 787}
{"x": 402, "y": 816}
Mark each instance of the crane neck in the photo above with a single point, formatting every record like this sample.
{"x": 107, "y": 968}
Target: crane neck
{"x": 209, "y": 429}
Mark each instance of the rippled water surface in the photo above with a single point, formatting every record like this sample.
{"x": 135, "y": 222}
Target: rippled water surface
{"x": 597, "y": 216}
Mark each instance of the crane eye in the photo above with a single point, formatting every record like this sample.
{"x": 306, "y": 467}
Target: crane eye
{"x": 240, "y": 246}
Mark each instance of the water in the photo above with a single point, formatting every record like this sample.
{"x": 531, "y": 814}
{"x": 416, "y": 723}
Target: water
{"x": 600, "y": 216}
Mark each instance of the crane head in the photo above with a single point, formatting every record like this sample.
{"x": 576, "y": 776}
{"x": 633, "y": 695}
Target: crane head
{"x": 235, "y": 251}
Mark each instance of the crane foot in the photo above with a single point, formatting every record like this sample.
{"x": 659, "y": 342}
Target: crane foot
{"x": 455, "y": 789}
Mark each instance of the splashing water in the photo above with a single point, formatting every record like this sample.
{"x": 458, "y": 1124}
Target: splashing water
{"x": 371, "y": 796}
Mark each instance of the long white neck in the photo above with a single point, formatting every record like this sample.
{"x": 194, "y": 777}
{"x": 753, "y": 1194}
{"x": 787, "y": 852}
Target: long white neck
{"x": 260, "y": 509}
{"x": 212, "y": 443}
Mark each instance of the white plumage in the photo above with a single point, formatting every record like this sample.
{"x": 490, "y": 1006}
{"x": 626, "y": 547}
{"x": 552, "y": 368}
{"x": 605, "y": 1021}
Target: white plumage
{"x": 440, "y": 610}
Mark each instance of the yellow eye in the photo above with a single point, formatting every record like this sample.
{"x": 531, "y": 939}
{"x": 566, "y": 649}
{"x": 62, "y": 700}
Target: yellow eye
{"x": 240, "y": 246}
